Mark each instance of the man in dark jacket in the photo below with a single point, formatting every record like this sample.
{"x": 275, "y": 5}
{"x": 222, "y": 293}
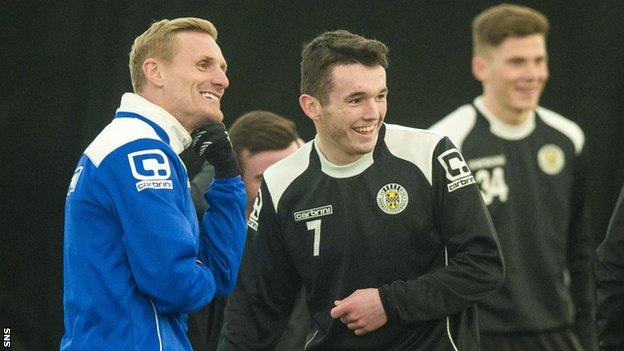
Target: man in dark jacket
{"x": 610, "y": 281}
{"x": 528, "y": 162}
{"x": 259, "y": 138}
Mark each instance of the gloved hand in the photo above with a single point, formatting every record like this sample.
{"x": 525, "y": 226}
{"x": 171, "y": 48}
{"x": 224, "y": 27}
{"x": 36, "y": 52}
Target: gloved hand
{"x": 212, "y": 143}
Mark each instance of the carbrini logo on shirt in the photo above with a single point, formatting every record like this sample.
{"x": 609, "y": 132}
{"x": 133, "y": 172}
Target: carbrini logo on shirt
{"x": 151, "y": 168}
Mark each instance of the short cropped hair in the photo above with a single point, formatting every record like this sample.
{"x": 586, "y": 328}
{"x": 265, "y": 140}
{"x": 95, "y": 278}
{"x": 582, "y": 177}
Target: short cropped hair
{"x": 259, "y": 131}
{"x": 331, "y": 49}
{"x": 497, "y": 23}
{"x": 159, "y": 42}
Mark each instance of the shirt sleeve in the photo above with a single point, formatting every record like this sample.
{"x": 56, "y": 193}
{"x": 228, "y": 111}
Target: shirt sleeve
{"x": 220, "y": 206}
{"x": 580, "y": 262}
{"x": 223, "y": 231}
{"x": 258, "y": 311}
{"x": 148, "y": 186}
{"x": 610, "y": 282}
{"x": 473, "y": 266}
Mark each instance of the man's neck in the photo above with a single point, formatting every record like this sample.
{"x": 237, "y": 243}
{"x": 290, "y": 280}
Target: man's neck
{"x": 506, "y": 115}
{"x": 334, "y": 157}
{"x": 156, "y": 98}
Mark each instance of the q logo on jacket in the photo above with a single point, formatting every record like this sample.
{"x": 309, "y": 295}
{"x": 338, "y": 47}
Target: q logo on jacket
{"x": 151, "y": 168}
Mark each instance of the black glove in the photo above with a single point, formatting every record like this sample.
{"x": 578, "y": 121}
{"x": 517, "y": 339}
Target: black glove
{"x": 213, "y": 144}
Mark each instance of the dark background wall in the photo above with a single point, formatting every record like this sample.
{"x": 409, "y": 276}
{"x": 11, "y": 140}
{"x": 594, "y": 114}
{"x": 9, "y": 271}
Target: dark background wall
{"x": 64, "y": 68}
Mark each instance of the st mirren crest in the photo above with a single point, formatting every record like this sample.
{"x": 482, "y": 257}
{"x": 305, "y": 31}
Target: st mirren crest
{"x": 551, "y": 159}
{"x": 392, "y": 198}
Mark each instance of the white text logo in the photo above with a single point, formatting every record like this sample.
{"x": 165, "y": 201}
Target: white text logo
{"x": 313, "y": 213}
{"x": 252, "y": 222}
{"x": 74, "y": 180}
{"x": 151, "y": 168}
{"x": 456, "y": 169}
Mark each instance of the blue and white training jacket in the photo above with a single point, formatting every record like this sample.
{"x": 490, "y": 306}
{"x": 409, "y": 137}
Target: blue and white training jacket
{"x": 134, "y": 260}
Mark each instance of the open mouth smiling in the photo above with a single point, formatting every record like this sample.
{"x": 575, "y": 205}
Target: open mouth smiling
{"x": 209, "y": 95}
{"x": 364, "y": 130}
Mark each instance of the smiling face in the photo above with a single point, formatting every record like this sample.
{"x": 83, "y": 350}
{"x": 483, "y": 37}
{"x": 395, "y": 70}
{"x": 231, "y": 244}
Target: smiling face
{"x": 194, "y": 81}
{"x": 513, "y": 75}
{"x": 348, "y": 124}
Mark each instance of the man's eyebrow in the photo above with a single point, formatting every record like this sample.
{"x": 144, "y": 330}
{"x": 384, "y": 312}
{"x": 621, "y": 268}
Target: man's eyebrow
{"x": 211, "y": 59}
{"x": 356, "y": 94}
{"x": 359, "y": 94}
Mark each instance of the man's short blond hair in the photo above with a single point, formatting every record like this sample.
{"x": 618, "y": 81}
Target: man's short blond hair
{"x": 159, "y": 42}
{"x": 497, "y": 23}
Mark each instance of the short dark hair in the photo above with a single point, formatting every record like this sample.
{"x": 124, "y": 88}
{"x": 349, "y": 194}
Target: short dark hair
{"x": 258, "y": 131}
{"x": 497, "y": 23}
{"x": 335, "y": 48}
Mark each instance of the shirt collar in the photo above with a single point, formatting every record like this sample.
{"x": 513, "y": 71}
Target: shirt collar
{"x": 504, "y": 130}
{"x": 179, "y": 138}
{"x": 346, "y": 171}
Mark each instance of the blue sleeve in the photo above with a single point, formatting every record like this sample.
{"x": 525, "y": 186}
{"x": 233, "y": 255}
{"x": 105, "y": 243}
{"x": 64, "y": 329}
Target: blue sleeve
{"x": 148, "y": 186}
{"x": 224, "y": 231}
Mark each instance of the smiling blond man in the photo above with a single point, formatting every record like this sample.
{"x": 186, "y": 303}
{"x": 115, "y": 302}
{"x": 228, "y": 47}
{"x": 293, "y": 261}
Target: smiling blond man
{"x": 135, "y": 261}
{"x": 528, "y": 163}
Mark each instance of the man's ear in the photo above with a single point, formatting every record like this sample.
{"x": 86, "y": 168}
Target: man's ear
{"x": 479, "y": 68}
{"x": 152, "y": 69}
{"x": 310, "y": 106}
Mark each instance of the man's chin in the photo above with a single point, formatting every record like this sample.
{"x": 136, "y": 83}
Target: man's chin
{"x": 364, "y": 149}
{"x": 527, "y": 104}
{"x": 213, "y": 118}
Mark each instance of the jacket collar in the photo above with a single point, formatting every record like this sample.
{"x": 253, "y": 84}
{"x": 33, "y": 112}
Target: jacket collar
{"x": 504, "y": 130}
{"x": 179, "y": 138}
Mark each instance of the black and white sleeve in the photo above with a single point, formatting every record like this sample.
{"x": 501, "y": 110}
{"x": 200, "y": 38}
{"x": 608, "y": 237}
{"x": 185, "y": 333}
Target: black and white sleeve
{"x": 473, "y": 261}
